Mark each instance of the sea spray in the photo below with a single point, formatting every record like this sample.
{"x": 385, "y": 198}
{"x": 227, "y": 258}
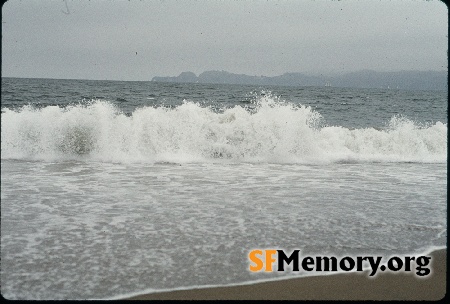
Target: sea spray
{"x": 271, "y": 131}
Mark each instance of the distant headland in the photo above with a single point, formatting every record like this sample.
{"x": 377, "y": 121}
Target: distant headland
{"x": 407, "y": 80}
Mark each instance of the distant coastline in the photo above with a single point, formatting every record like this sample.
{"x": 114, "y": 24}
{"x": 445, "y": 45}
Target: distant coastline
{"x": 406, "y": 80}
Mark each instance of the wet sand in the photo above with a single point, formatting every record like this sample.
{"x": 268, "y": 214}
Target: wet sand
{"x": 354, "y": 286}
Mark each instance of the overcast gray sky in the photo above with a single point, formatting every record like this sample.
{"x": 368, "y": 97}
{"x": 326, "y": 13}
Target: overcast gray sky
{"x": 99, "y": 39}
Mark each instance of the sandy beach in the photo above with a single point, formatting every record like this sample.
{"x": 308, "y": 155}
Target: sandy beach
{"x": 354, "y": 286}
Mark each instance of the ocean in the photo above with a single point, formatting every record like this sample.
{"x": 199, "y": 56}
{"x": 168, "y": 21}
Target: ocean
{"x": 111, "y": 188}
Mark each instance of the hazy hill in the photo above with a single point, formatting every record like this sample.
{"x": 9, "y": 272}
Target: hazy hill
{"x": 409, "y": 80}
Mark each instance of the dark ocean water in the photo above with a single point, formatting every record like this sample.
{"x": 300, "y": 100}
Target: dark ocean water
{"x": 115, "y": 188}
{"x": 346, "y": 107}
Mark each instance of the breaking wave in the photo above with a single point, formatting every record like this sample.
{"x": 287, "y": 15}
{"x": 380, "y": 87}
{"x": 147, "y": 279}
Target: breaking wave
{"x": 274, "y": 131}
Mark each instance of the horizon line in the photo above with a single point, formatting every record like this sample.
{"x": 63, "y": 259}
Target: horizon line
{"x": 329, "y": 74}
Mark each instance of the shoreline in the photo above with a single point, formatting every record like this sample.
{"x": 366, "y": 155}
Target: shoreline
{"x": 341, "y": 286}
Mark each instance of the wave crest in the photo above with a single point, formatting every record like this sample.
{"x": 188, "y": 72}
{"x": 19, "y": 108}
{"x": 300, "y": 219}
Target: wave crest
{"x": 274, "y": 131}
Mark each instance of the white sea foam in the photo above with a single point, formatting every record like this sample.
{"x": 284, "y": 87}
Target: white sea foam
{"x": 275, "y": 131}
